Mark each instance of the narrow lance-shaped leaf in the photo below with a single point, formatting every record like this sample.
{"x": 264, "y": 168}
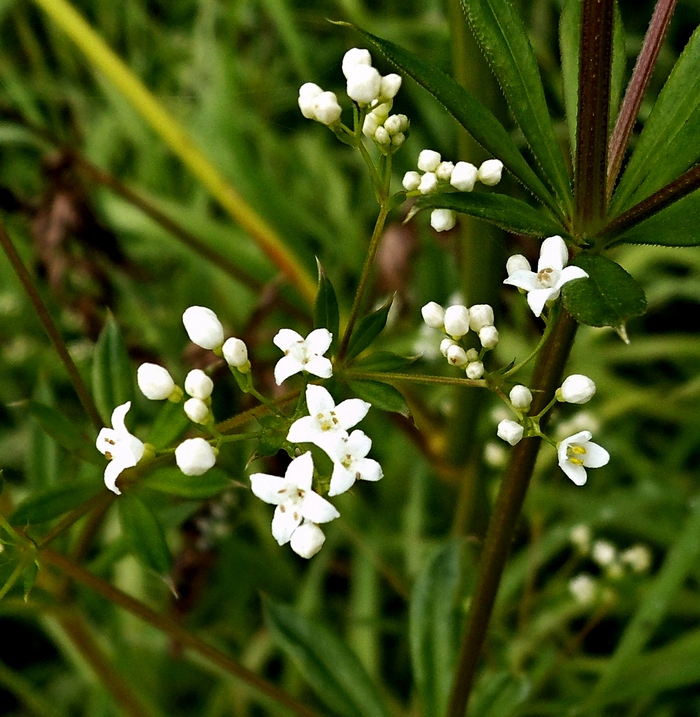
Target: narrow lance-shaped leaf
{"x": 368, "y": 329}
{"x": 54, "y": 501}
{"x": 171, "y": 480}
{"x": 505, "y": 43}
{"x": 470, "y": 113}
{"x": 326, "y": 312}
{"x": 569, "y": 37}
{"x": 381, "y": 395}
{"x": 143, "y": 534}
{"x": 112, "y": 377}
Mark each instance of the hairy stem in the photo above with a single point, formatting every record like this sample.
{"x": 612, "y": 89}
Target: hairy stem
{"x": 51, "y": 329}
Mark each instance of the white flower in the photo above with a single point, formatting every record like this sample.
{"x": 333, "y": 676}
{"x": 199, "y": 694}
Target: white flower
{"x": 303, "y": 354}
{"x": 480, "y": 315}
{"x": 293, "y": 497}
{"x": 442, "y": 220}
{"x": 521, "y": 397}
{"x": 196, "y": 410}
{"x": 195, "y": 456}
{"x": 428, "y": 160}
{"x": 350, "y": 463}
{"x": 363, "y": 84}
{"x": 576, "y": 388}
{"x": 489, "y": 337}
{"x": 551, "y": 274}
{"x": 433, "y": 315}
{"x": 326, "y": 108}
{"x": 203, "y": 327}
{"x": 604, "y": 553}
{"x": 475, "y": 369}
{"x": 411, "y": 181}
{"x": 236, "y": 353}
{"x": 456, "y": 320}
{"x": 155, "y": 382}
{"x": 428, "y": 183}
{"x": 463, "y": 176}
{"x": 457, "y": 356}
{"x": 307, "y": 540}
{"x": 583, "y": 588}
{"x": 510, "y": 431}
{"x": 638, "y": 557}
{"x": 119, "y": 447}
{"x": 389, "y": 87}
{"x": 325, "y": 418}
{"x": 444, "y": 171}
{"x": 577, "y": 452}
{"x": 198, "y": 384}
{"x": 354, "y": 57}
{"x": 490, "y": 172}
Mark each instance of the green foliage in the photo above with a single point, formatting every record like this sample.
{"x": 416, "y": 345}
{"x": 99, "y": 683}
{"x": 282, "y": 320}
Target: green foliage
{"x": 326, "y": 312}
{"x": 52, "y": 502}
{"x": 112, "y": 374}
{"x": 368, "y": 329}
{"x": 381, "y": 395}
{"x": 144, "y": 534}
{"x": 171, "y": 480}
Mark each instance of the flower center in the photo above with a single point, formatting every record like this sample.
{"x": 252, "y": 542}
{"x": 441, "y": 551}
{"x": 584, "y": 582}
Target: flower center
{"x": 547, "y": 278}
{"x": 327, "y": 421}
{"x": 574, "y": 454}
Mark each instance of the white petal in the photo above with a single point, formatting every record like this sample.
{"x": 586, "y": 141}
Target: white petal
{"x": 553, "y": 254}
{"x": 318, "y": 400}
{"x": 317, "y": 509}
{"x": 341, "y": 480}
{"x": 285, "y": 522}
{"x": 106, "y": 441}
{"x": 318, "y": 341}
{"x": 303, "y": 430}
{"x": 358, "y": 444}
{"x": 539, "y": 297}
{"x": 351, "y": 412}
{"x": 319, "y": 366}
{"x": 284, "y": 338}
{"x": 596, "y": 456}
{"x": 569, "y": 274}
{"x": 577, "y": 473}
{"x": 118, "y": 416}
{"x": 133, "y": 449}
{"x": 112, "y": 472}
{"x": 269, "y": 488}
{"x": 369, "y": 469}
{"x": 307, "y": 540}
{"x": 523, "y": 280}
{"x": 300, "y": 472}
{"x": 287, "y": 366}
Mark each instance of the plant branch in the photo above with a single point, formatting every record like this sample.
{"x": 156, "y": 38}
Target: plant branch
{"x": 174, "y": 630}
{"x": 514, "y": 485}
{"x": 51, "y": 329}
{"x": 637, "y": 87}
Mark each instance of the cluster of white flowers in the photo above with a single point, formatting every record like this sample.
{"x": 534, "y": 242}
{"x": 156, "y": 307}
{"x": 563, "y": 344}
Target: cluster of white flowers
{"x": 385, "y": 129}
{"x": 438, "y": 175}
{"x": 300, "y": 510}
{"x": 456, "y": 321}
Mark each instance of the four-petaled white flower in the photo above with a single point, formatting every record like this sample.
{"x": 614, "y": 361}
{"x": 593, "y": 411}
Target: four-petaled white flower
{"x": 577, "y": 452}
{"x": 350, "y": 462}
{"x": 325, "y": 419}
{"x": 303, "y": 354}
{"x": 293, "y": 497}
{"x": 552, "y": 274}
{"x": 118, "y": 445}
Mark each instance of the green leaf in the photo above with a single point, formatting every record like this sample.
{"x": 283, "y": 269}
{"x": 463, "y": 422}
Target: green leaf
{"x": 608, "y": 297}
{"x": 29, "y": 577}
{"x": 469, "y": 112}
{"x": 42, "y": 458}
{"x": 173, "y": 481}
{"x": 510, "y": 214}
{"x": 384, "y": 361}
{"x": 435, "y": 616}
{"x": 168, "y": 425}
{"x": 381, "y": 395}
{"x": 54, "y": 501}
{"x": 676, "y": 225}
{"x": 670, "y": 141}
{"x": 504, "y": 41}
{"x": 144, "y": 534}
{"x": 328, "y": 664}
{"x": 367, "y": 330}
{"x": 112, "y": 377}
{"x": 326, "y": 312}
{"x": 273, "y": 434}
{"x": 65, "y": 433}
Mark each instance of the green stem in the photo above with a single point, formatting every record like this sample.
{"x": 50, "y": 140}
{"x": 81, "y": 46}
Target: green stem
{"x": 414, "y": 378}
{"x": 174, "y": 630}
{"x": 50, "y": 327}
{"x": 511, "y": 495}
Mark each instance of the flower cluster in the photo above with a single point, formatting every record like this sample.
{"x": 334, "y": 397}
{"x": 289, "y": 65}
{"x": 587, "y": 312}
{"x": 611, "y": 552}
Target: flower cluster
{"x": 456, "y": 321}
{"x": 438, "y": 176}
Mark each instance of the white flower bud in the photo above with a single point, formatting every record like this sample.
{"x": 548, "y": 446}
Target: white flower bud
{"x": 510, "y": 431}
{"x": 472, "y": 355}
{"x": 370, "y": 125}
{"x": 411, "y": 181}
{"x": 489, "y": 337}
{"x": 433, "y": 315}
{"x": 203, "y": 327}
{"x": 381, "y": 112}
{"x": 428, "y": 183}
{"x": 480, "y": 315}
{"x": 308, "y": 93}
{"x": 638, "y": 557}
{"x": 381, "y": 136}
{"x": 583, "y": 588}
{"x": 390, "y": 85}
{"x": 577, "y": 388}
{"x": 457, "y": 356}
{"x": 354, "y": 57}
{"x": 444, "y": 171}
{"x": 490, "y": 172}
{"x": 364, "y": 83}
{"x": 456, "y": 320}
{"x": 604, "y": 553}
{"x": 517, "y": 262}
{"x": 521, "y": 397}
{"x": 580, "y": 537}
{"x": 326, "y": 108}
{"x": 393, "y": 124}
{"x": 445, "y": 346}
{"x": 198, "y": 384}
{"x": 307, "y": 540}
{"x": 404, "y": 124}
{"x": 195, "y": 456}
{"x": 442, "y": 220}
{"x": 154, "y": 381}
{"x": 398, "y": 139}
{"x": 196, "y": 410}
{"x": 463, "y": 176}
{"x": 235, "y": 352}
{"x": 475, "y": 370}
{"x": 428, "y": 160}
